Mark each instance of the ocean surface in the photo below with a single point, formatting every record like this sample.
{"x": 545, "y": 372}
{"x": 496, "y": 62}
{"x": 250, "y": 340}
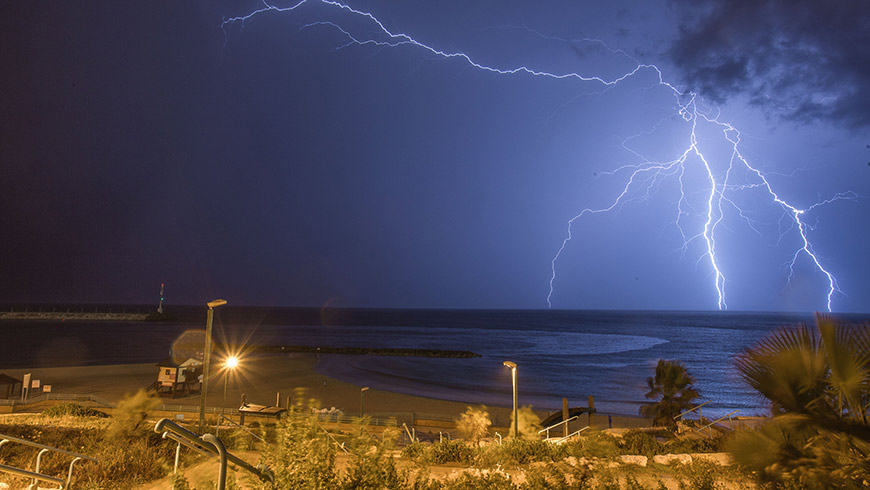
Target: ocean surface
{"x": 573, "y": 354}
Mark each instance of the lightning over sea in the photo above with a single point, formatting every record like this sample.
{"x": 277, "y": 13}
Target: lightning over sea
{"x": 712, "y": 185}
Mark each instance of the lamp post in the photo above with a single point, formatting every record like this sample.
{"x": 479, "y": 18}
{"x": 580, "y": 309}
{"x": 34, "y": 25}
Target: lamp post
{"x": 513, "y": 366}
{"x": 229, "y": 365}
{"x": 361, "y": 391}
{"x": 205, "y": 358}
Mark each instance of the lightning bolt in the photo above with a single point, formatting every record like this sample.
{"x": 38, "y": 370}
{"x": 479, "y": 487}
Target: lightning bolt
{"x": 641, "y": 179}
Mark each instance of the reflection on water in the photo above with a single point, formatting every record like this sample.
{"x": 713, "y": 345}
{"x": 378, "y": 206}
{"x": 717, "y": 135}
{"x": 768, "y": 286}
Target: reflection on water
{"x": 558, "y": 353}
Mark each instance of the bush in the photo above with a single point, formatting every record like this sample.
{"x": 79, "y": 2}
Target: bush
{"x": 545, "y": 478}
{"x": 528, "y": 423}
{"x": 474, "y": 424}
{"x": 637, "y": 442}
{"x": 122, "y": 462}
{"x": 303, "y": 455}
{"x": 179, "y": 482}
{"x": 687, "y": 445}
{"x": 132, "y": 411}
{"x": 522, "y": 451}
{"x": 486, "y": 481}
{"x": 237, "y": 438}
{"x": 593, "y": 445}
{"x": 700, "y": 476}
{"x": 373, "y": 470}
{"x": 414, "y": 451}
{"x": 452, "y": 452}
{"x": 72, "y": 410}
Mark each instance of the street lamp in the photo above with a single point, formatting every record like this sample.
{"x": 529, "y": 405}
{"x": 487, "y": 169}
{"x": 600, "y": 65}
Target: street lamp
{"x": 205, "y": 358}
{"x": 513, "y": 366}
{"x": 361, "y": 391}
{"x": 230, "y": 364}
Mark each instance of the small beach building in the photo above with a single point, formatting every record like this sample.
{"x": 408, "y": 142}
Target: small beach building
{"x": 9, "y": 387}
{"x": 178, "y": 379}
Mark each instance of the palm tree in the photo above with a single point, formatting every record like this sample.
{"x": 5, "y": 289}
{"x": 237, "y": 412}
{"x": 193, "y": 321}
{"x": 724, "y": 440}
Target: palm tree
{"x": 672, "y": 385}
{"x": 817, "y": 381}
{"x": 821, "y": 374}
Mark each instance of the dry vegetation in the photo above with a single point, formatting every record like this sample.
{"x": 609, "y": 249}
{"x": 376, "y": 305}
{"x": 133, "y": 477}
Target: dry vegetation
{"x": 815, "y": 379}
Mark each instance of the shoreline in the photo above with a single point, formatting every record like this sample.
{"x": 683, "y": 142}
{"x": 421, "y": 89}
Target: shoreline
{"x": 265, "y": 380}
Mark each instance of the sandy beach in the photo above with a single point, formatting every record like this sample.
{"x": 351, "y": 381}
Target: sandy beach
{"x": 262, "y": 379}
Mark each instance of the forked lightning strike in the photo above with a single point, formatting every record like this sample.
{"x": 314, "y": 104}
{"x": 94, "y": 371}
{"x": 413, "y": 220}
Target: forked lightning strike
{"x": 639, "y": 176}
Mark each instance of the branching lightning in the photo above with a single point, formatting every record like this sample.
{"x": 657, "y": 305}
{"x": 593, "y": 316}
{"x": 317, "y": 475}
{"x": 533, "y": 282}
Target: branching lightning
{"x": 639, "y": 178}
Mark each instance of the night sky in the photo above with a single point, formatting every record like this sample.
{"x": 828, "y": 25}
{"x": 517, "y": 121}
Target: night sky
{"x": 305, "y": 157}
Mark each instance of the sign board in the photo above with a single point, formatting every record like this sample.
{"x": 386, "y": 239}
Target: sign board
{"x": 25, "y": 387}
{"x": 35, "y": 384}
{"x": 46, "y": 388}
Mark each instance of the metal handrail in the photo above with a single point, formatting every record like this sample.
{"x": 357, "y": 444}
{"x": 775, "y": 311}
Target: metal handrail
{"x": 711, "y": 424}
{"x": 36, "y": 475}
{"x": 329, "y": 435}
{"x": 239, "y": 426}
{"x": 547, "y": 429}
{"x": 691, "y": 410}
{"x": 210, "y": 446}
{"x": 412, "y": 436}
{"x": 565, "y": 438}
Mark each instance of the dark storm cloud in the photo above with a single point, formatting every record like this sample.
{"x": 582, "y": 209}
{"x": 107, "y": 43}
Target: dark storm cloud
{"x": 803, "y": 60}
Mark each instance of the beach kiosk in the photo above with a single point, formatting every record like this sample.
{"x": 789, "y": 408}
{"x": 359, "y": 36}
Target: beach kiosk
{"x": 9, "y": 387}
{"x": 178, "y": 379}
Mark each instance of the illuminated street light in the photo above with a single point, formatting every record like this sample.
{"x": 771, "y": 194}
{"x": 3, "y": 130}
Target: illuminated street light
{"x": 230, "y": 364}
{"x": 205, "y": 359}
{"x": 513, "y": 366}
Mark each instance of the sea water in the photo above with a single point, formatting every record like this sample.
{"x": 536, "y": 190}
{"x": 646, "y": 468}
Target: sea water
{"x": 570, "y": 354}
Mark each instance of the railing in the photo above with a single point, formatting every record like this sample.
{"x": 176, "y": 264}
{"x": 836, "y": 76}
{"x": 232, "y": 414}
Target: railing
{"x": 560, "y": 440}
{"x": 696, "y": 407}
{"x": 711, "y": 424}
{"x": 547, "y": 429}
{"x": 35, "y": 475}
{"x": 208, "y": 445}
{"x": 223, "y": 418}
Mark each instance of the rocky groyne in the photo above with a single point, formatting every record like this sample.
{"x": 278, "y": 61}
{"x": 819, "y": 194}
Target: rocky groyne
{"x": 117, "y": 316}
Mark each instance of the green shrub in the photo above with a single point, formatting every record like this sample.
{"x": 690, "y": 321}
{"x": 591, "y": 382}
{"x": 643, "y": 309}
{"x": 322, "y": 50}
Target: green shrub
{"x": 593, "y": 445}
{"x": 72, "y": 410}
{"x": 414, "y": 451}
{"x": 474, "y": 424}
{"x": 487, "y": 481}
{"x": 303, "y": 456}
{"x": 637, "y": 442}
{"x": 545, "y": 478}
{"x": 452, "y": 452}
{"x": 373, "y": 471}
{"x": 122, "y": 461}
{"x": 700, "y": 476}
{"x": 179, "y": 482}
{"x": 606, "y": 481}
{"x": 528, "y": 424}
{"x": 692, "y": 445}
{"x": 631, "y": 483}
{"x": 521, "y": 451}
{"x": 132, "y": 411}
